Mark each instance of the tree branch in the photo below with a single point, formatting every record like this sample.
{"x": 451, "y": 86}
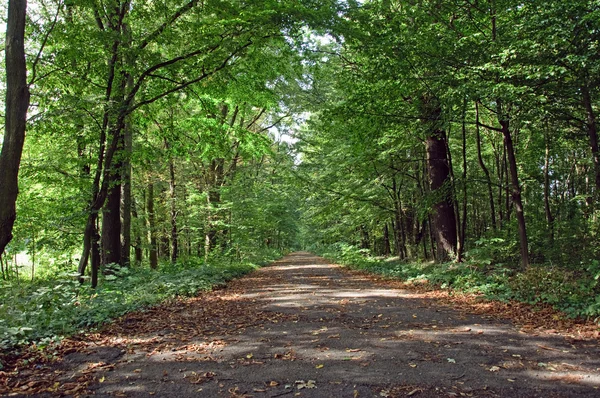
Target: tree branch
{"x": 44, "y": 41}
{"x": 183, "y": 85}
{"x": 152, "y": 36}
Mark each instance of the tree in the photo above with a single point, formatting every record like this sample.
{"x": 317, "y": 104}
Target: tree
{"x": 17, "y": 103}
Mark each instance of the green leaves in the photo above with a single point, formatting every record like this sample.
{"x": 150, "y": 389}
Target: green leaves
{"x": 50, "y": 310}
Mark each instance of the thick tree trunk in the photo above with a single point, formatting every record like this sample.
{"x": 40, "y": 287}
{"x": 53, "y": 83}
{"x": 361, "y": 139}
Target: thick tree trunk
{"x": 438, "y": 170}
{"x": 444, "y": 218}
{"x": 17, "y": 102}
{"x": 516, "y": 192}
{"x": 111, "y": 219}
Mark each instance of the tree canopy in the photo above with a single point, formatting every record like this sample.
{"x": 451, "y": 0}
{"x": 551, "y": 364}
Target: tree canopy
{"x": 159, "y": 132}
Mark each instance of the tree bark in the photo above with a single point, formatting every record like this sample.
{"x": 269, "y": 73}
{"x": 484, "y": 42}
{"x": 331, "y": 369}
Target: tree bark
{"x": 399, "y": 231}
{"x": 516, "y": 190}
{"x": 126, "y": 204}
{"x": 386, "y": 240}
{"x": 592, "y": 130}
{"x": 111, "y": 217}
{"x": 173, "y": 197}
{"x": 444, "y": 219}
{"x": 138, "y": 237}
{"x": 485, "y": 170}
{"x": 95, "y": 254}
{"x": 151, "y": 226}
{"x": 452, "y": 181}
{"x": 17, "y": 103}
{"x": 547, "y": 210}
{"x": 463, "y": 228}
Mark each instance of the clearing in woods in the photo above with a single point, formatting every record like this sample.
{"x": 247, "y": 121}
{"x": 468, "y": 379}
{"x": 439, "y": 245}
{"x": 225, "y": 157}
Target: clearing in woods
{"x": 304, "y": 327}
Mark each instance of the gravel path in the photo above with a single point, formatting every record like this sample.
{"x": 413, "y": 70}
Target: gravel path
{"x": 303, "y": 327}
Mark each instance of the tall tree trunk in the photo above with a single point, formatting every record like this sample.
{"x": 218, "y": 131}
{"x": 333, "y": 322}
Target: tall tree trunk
{"x": 17, "y": 102}
{"x": 214, "y": 181}
{"x": 138, "y": 237}
{"x": 516, "y": 189}
{"x": 592, "y": 130}
{"x": 126, "y": 206}
{"x": 95, "y": 254}
{"x": 172, "y": 194}
{"x": 499, "y": 172}
{"x": 151, "y": 226}
{"x": 399, "y": 230}
{"x": 213, "y": 200}
{"x": 463, "y": 228}
{"x": 485, "y": 170}
{"x": 386, "y": 240}
{"x": 444, "y": 219}
{"x": 547, "y": 210}
{"x": 111, "y": 216}
{"x": 453, "y": 195}
{"x": 506, "y": 184}
{"x": 364, "y": 237}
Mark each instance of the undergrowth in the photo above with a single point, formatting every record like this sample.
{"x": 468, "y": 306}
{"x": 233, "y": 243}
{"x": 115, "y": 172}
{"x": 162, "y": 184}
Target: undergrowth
{"x": 576, "y": 293}
{"x": 49, "y": 309}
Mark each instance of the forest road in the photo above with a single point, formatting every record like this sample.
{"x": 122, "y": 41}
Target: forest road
{"x": 302, "y": 327}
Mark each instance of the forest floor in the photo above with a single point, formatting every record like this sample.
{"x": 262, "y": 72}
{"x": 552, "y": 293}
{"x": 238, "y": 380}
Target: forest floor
{"x": 303, "y": 327}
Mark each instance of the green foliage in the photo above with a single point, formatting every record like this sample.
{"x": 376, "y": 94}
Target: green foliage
{"x": 60, "y": 306}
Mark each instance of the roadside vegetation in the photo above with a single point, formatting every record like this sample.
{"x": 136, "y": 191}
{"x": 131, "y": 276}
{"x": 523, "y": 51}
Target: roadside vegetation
{"x": 576, "y": 294}
{"x": 57, "y": 306}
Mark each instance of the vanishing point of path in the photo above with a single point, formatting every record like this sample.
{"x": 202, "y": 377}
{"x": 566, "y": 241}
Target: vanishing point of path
{"x": 303, "y": 327}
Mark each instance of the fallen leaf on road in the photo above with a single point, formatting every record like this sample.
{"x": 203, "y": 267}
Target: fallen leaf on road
{"x": 300, "y": 384}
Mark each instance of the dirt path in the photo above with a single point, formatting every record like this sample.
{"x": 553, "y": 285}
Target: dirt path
{"x": 302, "y": 327}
